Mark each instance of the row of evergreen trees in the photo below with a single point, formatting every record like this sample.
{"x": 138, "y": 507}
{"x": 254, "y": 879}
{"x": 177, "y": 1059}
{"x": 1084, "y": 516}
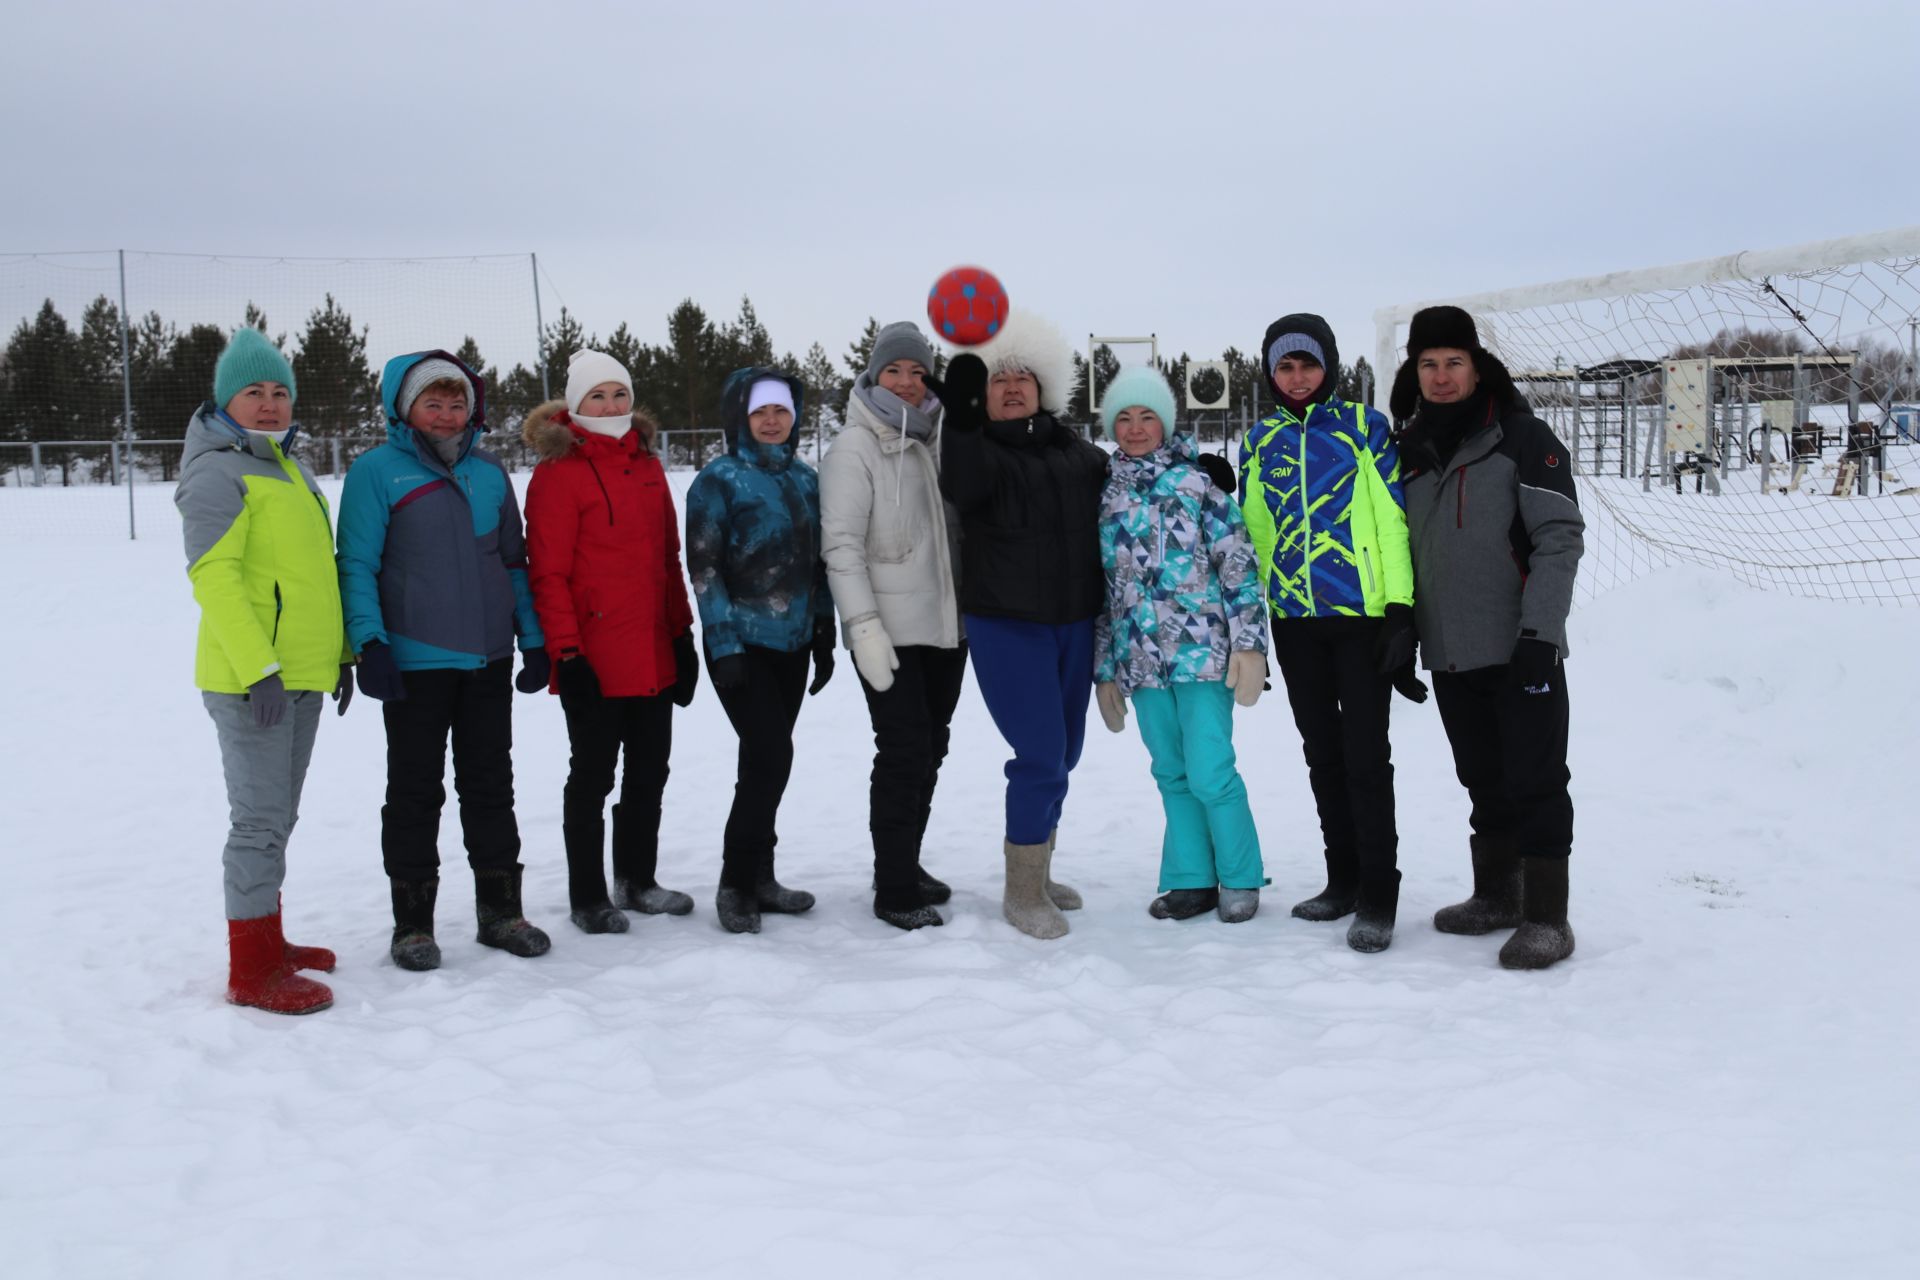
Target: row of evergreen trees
{"x": 62, "y": 382}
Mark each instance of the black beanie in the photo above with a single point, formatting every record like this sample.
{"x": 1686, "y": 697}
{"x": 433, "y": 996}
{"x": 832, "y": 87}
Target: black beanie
{"x": 1445, "y": 327}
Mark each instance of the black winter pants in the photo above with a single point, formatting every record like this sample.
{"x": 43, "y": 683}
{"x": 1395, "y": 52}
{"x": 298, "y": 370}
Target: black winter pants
{"x": 476, "y": 708}
{"x": 763, "y": 709}
{"x": 1341, "y": 704}
{"x": 598, "y": 729}
{"x": 1510, "y": 751}
{"x": 910, "y": 735}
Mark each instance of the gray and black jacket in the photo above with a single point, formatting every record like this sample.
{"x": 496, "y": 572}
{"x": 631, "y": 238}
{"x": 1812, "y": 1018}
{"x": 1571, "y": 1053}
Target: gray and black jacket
{"x": 1496, "y": 535}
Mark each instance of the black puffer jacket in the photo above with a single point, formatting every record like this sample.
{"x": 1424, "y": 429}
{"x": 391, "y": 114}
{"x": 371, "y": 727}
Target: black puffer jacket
{"x": 1028, "y": 494}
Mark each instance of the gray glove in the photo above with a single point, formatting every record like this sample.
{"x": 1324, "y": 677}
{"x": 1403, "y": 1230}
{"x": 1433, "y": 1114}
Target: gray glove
{"x": 268, "y": 698}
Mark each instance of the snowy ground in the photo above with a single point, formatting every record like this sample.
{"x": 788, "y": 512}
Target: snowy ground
{"x": 1718, "y": 1084}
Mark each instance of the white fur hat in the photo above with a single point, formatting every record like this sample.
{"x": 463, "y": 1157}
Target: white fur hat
{"x": 588, "y": 369}
{"x": 1026, "y": 342}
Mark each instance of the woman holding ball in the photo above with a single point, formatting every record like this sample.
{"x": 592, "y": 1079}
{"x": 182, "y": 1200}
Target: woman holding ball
{"x": 1028, "y": 493}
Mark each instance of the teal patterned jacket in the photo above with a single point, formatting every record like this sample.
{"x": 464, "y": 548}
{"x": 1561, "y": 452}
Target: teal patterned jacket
{"x": 1183, "y": 584}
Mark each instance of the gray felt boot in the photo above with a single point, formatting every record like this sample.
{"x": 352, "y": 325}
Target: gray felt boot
{"x": 1544, "y": 937}
{"x": 1026, "y": 903}
{"x": 1064, "y": 896}
{"x": 1497, "y": 893}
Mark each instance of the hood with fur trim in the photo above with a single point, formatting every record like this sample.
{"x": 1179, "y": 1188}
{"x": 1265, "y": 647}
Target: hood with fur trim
{"x": 551, "y": 433}
{"x": 1026, "y": 342}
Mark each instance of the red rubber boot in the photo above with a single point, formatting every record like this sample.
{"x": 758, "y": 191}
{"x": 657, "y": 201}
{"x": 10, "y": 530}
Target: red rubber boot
{"x": 258, "y": 974}
{"x": 318, "y": 959}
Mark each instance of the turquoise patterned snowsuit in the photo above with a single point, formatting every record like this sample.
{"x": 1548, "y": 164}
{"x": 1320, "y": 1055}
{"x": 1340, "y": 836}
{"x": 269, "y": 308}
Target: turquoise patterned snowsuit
{"x": 1183, "y": 593}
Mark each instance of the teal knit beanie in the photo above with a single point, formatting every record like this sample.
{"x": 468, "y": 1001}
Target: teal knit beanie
{"x": 1137, "y": 386}
{"x": 249, "y": 358}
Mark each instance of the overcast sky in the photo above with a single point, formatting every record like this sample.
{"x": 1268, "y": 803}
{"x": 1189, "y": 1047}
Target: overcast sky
{"x": 1188, "y": 168}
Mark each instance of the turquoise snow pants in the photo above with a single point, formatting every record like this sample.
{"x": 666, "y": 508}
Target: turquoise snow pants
{"x": 1210, "y": 838}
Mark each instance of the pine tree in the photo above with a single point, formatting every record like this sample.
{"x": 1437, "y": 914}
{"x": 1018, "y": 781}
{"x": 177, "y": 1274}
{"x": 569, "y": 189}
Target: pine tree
{"x": 564, "y": 337}
{"x": 335, "y": 389}
{"x": 861, "y": 349}
{"x": 690, "y": 377}
{"x": 98, "y": 399}
{"x": 40, "y": 361}
{"x": 826, "y": 394}
{"x": 1355, "y": 381}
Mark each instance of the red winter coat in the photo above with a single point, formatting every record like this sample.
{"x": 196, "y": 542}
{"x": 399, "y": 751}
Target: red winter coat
{"x": 603, "y": 552}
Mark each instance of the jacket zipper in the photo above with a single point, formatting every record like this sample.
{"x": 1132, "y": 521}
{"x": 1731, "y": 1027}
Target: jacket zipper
{"x": 276, "y": 615}
{"x": 1460, "y": 500}
{"x": 1306, "y": 524}
{"x": 1366, "y": 566}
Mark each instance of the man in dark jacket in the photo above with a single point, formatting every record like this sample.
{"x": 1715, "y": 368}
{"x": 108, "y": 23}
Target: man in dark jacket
{"x": 1496, "y": 536}
{"x": 1028, "y": 493}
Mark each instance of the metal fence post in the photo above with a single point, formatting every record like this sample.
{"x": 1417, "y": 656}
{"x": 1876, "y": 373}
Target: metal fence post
{"x": 126, "y": 393}
{"x": 539, "y": 328}
{"x": 39, "y": 475}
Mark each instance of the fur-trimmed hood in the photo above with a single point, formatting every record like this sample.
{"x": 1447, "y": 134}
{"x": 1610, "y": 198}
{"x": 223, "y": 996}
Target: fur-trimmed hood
{"x": 1028, "y": 343}
{"x": 551, "y": 433}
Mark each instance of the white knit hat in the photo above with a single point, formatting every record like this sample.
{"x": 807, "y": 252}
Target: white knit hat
{"x": 770, "y": 391}
{"x": 588, "y": 369}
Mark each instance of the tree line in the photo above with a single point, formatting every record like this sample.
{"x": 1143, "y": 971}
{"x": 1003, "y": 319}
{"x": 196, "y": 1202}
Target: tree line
{"x": 62, "y": 382}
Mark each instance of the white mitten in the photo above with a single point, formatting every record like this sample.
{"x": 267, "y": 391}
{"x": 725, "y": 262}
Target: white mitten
{"x": 1113, "y": 705}
{"x": 873, "y": 654}
{"x": 1246, "y": 675}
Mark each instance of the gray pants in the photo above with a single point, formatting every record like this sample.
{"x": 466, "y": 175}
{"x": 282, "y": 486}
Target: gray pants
{"x": 265, "y": 770}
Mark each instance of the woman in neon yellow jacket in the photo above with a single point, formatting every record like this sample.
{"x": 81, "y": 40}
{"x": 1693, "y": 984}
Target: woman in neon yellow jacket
{"x": 272, "y": 643}
{"x": 1320, "y": 490}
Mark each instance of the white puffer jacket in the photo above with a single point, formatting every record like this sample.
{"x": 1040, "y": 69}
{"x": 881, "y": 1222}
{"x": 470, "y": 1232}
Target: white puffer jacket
{"x": 891, "y": 542}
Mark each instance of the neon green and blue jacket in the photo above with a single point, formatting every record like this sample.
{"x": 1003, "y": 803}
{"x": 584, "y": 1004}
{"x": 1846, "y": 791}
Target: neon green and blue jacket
{"x": 1322, "y": 500}
{"x": 260, "y": 555}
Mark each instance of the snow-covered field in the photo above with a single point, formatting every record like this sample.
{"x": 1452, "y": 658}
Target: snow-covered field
{"x": 1718, "y": 1084}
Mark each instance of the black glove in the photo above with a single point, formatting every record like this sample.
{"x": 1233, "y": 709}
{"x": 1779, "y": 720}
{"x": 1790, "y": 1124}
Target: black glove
{"x": 823, "y": 653}
{"x": 268, "y": 698}
{"x": 1408, "y": 685}
{"x": 729, "y": 672}
{"x": 1393, "y": 648}
{"x": 577, "y": 679}
{"x": 379, "y": 675}
{"x": 536, "y": 668}
{"x": 963, "y": 391}
{"x": 1220, "y": 471}
{"x": 343, "y": 691}
{"x": 686, "y": 670}
{"x": 1534, "y": 665}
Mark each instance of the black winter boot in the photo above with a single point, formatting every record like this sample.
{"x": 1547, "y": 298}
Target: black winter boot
{"x": 1183, "y": 904}
{"x": 932, "y": 892}
{"x": 503, "y": 924}
{"x": 635, "y": 857}
{"x": 601, "y": 917}
{"x": 413, "y": 945}
{"x": 905, "y": 909}
{"x": 1372, "y": 927}
{"x": 774, "y": 897}
{"x": 1497, "y": 893}
{"x": 738, "y": 909}
{"x": 1544, "y": 937}
{"x": 1340, "y": 896}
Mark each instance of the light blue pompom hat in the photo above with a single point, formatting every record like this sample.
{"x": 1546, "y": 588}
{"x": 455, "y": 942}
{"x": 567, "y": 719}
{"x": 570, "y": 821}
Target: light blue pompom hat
{"x": 1137, "y": 386}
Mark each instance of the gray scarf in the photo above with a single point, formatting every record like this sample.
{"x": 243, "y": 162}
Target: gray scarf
{"x": 450, "y": 448}
{"x": 914, "y": 423}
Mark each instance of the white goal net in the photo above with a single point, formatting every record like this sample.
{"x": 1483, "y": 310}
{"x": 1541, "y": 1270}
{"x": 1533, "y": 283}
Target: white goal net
{"x": 1758, "y": 413}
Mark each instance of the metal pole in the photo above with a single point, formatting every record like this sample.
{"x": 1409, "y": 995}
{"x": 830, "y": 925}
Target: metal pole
{"x": 1716, "y": 440}
{"x": 126, "y": 391}
{"x": 1574, "y": 400}
{"x": 539, "y": 328}
{"x": 1853, "y": 416}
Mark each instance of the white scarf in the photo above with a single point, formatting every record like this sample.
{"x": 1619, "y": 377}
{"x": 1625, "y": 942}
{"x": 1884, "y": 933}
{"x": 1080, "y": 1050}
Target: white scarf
{"x": 613, "y": 428}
